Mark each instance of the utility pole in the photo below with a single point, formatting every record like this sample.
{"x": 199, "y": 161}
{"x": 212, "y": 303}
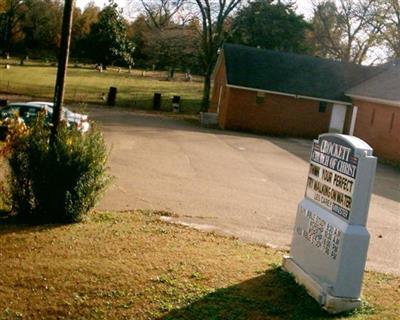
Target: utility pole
{"x": 62, "y": 65}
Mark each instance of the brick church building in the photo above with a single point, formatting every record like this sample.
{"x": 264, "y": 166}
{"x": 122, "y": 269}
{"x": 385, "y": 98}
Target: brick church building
{"x": 297, "y": 95}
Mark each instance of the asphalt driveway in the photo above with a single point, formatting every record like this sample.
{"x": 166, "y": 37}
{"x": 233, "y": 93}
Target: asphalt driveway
{"x": 239, "y": 184}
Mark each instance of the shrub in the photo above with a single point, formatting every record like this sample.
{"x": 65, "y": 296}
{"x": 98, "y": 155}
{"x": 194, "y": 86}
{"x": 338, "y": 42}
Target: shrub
{"x": 60, "y": 182}
{"x": 4, "y": 194}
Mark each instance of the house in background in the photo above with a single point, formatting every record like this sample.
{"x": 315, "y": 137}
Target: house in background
{"x": 376, "y": 109}
{"x": 289, "y": 94}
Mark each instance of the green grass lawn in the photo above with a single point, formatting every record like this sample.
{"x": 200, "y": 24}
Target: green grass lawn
{"x": 131, "y": 265}
{"x": 86, "y": 85}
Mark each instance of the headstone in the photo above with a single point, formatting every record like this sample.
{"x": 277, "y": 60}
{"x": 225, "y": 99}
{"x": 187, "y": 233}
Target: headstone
{"x": 330, "y": 239}
{"x": 188, "y": 76}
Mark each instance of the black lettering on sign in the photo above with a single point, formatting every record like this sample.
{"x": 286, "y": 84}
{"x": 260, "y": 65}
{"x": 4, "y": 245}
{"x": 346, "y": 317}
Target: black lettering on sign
{"x": 328, "y": 196}
{"x": 327, "y": 175}
{"x": 314, "y": 170}
{"x": 332, "y": 174}
{"x": 343, "y": 183}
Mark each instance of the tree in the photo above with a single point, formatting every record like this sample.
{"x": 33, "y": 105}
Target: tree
{"x": 160, "y": 13}
{"x": 82, "y": 24}
{"x": 164, "y": 37}
{"x": 11, "y": 13}
{"x": 89, "y": 16}
{"x": 42, "y": 26}
{"x": 391, "y": 33}
{"x": 270, "y": 26}
{"x": 172, "y": 48}
{"x": 213, "y": 15}
{"x": 138, "y": 30}
{"x": 107, "y": 41}
{"x": 346, "y": 31}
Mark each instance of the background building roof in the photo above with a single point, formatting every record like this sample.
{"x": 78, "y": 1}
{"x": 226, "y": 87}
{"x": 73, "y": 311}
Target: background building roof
{"x": 384, "y": 86}
{"x": 293, "y": 73}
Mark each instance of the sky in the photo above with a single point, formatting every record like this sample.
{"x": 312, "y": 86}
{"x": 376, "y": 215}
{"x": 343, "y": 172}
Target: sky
{"x": 304, "y": 6}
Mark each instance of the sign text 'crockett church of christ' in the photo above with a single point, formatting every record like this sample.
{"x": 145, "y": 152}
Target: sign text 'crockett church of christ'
{"x": 330, "y": 239}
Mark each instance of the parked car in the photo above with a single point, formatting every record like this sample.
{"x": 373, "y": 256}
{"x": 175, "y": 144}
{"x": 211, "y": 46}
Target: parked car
{"x": 72, "y": 118}
{"x": 27, "y": 111}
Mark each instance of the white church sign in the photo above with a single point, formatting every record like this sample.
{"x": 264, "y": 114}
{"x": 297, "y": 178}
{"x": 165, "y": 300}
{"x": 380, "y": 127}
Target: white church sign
{"x": 330, "y": 239}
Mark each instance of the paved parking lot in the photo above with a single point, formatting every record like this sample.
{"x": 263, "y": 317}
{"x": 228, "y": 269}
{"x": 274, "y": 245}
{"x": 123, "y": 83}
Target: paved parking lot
{"x": 239, "y": 184}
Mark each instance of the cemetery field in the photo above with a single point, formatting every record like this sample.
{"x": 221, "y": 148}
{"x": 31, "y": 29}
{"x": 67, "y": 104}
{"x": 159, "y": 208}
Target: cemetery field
{"x": 132, "y": 265}
{"x": 86, "y": 85}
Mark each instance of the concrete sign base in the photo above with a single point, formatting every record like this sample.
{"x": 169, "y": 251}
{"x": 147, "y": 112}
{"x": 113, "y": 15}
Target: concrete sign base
{"x": 329, "y": 302}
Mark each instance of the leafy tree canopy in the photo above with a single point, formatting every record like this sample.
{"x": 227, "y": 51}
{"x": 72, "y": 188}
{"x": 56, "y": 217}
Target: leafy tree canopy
{"x": 11, "y": 14}
{"x": 107, "y": 41}
{"x": 173, "y": 48}
{"x": 42, "y": 25}
{"x": 270, "y": 26}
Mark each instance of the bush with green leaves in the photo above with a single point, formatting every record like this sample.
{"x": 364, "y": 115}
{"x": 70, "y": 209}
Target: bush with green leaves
{"x": 58, "y": 182}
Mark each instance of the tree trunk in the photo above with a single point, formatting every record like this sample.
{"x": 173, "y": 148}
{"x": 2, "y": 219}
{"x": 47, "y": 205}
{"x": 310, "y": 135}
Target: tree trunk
{"x": 205, "y": 102}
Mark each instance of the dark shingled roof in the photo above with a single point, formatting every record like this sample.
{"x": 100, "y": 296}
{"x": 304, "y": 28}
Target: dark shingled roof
{"x": 293, "y": 73}
{"x": 385, "y": 86}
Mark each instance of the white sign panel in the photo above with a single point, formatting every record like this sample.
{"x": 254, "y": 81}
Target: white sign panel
{"x": 332, "y": 174}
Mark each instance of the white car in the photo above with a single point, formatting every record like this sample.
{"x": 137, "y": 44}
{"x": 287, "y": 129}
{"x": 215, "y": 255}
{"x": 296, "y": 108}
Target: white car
{"x": 72, "y": 118}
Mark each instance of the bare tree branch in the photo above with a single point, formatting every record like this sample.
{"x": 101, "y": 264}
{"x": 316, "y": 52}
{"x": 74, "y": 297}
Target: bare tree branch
{"x": 161, "y": 12}
{"x": 213, "y": 17}
{"x": 347, "y": 29}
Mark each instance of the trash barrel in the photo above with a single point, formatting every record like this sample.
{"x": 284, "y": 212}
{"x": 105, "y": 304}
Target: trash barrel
{"x": 112, "y": 96}
{"x": 157, "y": 101}
{"x": 176, "y": 106}
{"x": 3, "y": 102}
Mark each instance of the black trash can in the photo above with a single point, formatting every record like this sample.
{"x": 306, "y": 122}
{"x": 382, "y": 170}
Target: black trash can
{"x": 176, "y": 103}
{"x": 3, "y": 102}
{"x": 112, "y": 96}
{"x": 157, "y": 101}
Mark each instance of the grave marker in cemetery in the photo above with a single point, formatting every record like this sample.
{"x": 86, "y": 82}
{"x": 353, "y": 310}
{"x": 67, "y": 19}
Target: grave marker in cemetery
{"x": 330, "y": 239}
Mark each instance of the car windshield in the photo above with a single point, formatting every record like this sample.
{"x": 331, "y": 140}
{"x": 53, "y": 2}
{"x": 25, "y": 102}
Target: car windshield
{"x": 8, "y": 111}
{"x": 23, "y": 111}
